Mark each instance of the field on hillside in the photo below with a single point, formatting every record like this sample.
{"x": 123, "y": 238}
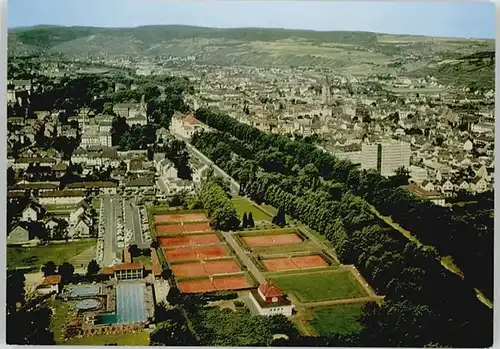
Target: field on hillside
{"x": 349, "y": 52}
{"x": 39, "y": 255}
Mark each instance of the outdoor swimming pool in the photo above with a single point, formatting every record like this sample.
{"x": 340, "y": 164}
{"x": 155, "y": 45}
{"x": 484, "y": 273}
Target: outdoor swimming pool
{"x": 130, "y": 305}
{"x": 85, "y": 290}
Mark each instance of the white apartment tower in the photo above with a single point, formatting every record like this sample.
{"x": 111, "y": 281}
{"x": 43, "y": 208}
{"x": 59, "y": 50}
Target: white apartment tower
{"x": 386, "y": 156}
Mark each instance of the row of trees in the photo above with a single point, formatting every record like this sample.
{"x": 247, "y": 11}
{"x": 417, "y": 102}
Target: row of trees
{"x": 212, "y": 326}
{"x": 247, "y": 221}
{"x": 425, "y": 304}
{"x": 467, "y": 238}
{"x": 217, "y": 203}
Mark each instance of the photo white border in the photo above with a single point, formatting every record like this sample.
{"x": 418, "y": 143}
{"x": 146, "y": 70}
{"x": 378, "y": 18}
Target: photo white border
{"x": 3, "y": 185}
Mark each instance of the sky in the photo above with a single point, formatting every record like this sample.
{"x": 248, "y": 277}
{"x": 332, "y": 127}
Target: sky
{"x": 448, "y": 19}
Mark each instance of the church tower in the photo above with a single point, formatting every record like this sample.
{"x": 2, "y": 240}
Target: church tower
{"x": 326, "y": 91}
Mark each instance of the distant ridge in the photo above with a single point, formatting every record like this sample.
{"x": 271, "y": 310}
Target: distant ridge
{"x": 192, "y": 27}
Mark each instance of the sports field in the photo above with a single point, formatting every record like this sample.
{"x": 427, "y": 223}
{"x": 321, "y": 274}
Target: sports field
{"x": 290, "y": 263}
{"x": 340, "y": 319}
{"x": 195, "y": 253}
{"x": 180, "y": 217}
{"x": 184, "y": 228}
{"x": 271, "y": 240}
{"x": 205, "y": 268}
{"x": 320, "y": 286}
{"x": 215, "y": 284}
{"x": 243, "y": 205}
{"x": 188, "y": 240}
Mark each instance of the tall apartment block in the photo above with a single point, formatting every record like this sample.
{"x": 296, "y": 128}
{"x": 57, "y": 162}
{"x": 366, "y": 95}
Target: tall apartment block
{"x": 385, "y": 157}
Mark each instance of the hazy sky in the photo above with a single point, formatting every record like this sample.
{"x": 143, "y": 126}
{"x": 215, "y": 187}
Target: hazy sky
{"x": 457, "y": 19}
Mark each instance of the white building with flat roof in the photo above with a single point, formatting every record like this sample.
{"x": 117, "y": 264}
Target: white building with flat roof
{"x": 369, "y": 156}
{"x": 394, "y": 154}
{"x": 385, "y": 156}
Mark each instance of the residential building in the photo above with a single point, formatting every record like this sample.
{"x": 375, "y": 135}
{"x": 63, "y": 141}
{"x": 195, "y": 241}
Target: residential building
{"x": 61, "y": 197}
{"x": 49, "y": 284}
{"x": 18, "y": 236}
{"x": 185, "y": 126}
{"x": 417, "y": 174}
{"x": 433, "y": 196}
{"x": 32, "y": 213}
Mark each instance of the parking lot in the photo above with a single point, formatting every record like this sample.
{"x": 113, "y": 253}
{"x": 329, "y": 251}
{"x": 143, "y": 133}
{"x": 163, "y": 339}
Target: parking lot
{"x": 136, "y": 224}
{"x": 110, "y": 231}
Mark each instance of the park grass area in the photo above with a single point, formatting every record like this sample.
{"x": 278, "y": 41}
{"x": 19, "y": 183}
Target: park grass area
{"x": 243, "y": 205}
{"x": 273, "y": 210}
{"x": 160, "y": 209}
{"x": 340, "y": 319}
{"x": 272, "y": 231}
{"x": 140, "y": 338}
{"x": 145, "y": 260}
{"x": 320, "y": 286}
{"x": 96, "y": 203}
{"x": 60, "y": 311}
{"x": 39, "y": 255}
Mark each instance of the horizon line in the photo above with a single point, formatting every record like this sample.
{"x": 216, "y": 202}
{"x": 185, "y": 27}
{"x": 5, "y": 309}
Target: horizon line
{"x": 236, "y": 28}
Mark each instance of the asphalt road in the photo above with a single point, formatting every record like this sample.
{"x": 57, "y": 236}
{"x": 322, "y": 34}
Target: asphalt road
{"x": 133, "y": 221}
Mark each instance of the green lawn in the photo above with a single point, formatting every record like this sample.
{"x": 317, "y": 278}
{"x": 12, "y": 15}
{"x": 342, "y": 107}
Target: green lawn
{"x": 243, "y": 205}
{"x": 274, "y": 210}
{"x": 96, "y": 203}
{"x": 320, "y": 286}
{"x": 340, "y": 319}
{"x": 58, "y": 319}
{"x": 39, "y": 255}
{"x": 145, "y": 260}
{"x": 136, "y": 339}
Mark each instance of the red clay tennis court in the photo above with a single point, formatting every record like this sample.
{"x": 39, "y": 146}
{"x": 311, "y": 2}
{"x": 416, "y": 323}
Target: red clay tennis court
{"x": 191, "y": 253}
{"x": 180, "y": 217}
{"x": 205, "y": 268}
{"x": 190, "y": 240}
{"x": 169, "y": 229}
{"x": 269, "y": 240}
{"x": 231, "y": 283}
{"x": 216, "y": 284}
{"x": 166, "y": 229}
{"x": 196, "y": 227}
{"x": 301, "y": 262}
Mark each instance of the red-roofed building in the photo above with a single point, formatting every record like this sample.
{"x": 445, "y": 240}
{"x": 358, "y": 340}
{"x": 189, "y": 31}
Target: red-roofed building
{"x": 49, "y": 284}
{"x": 435, "y": 197}
{"x": 270, "y": 293}
{"x": 268, "y": 299}
{"x": 185, "y": 125}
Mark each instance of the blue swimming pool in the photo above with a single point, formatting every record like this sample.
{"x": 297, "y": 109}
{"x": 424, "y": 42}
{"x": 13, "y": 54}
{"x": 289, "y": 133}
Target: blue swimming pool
{"x": 130, "y": 305}
{"x": 85, "y": 291}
